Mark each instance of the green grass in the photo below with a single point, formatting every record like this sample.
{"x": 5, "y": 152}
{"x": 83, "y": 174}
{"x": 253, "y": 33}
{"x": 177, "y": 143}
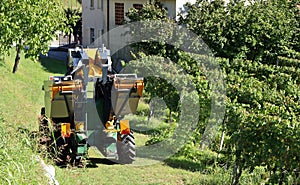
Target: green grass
{"x": 18, "y": 163}
{"x": 20, "y": 102}
{"x": 21, "y": 93}
{"x": 158, "y": 173}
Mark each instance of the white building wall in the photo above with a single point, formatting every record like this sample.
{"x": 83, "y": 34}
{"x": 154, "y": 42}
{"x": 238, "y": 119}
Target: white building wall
{"x": 115, "y": 40}
{"x": 180, "y": 5}
{"x": 97, "y": 17}
{"x": 171, "y": 7}
{"x": 92, "y": 18}
{"x": 127, "y": 5}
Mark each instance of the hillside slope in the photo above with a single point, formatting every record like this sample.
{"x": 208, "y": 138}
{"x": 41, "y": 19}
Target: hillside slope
{"x": 20, "y": 102}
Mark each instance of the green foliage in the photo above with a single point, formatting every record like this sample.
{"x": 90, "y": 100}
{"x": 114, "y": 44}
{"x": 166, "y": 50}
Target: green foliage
{"x": 294, "y": 8}
{"x": 261, "y": 122}
{"x": 30, "y": 25}
{"x": 158, "y": 130}
{"x": 290, "y": 53}
{"x": 162, "y": 78}
{"x": 208, "y": 20}
{"x": 262, "y": 117}
{"x": 259, "y": 175}
{"x": 161, "y": 133}
{"x": 192, "y": 152}
{"x": 73, "y": 22}
{"x": 257, "y": 31}
{"x": 283, "y": 61}
{"x": 151, "y": 12}
{"x": 159, "y": 87}
{"x": 155, "y": 85}
{"x": 143, "y": 109}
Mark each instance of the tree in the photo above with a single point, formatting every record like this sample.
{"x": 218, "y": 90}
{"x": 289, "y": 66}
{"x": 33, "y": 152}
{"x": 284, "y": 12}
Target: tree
{"x": 258, "y": 30}
{"x": 151, "y": 12}
{"x": 208, "y": 20}
{"x": 157, "y": 87}
{"x": 74, "y": 23}
{"x": 30, "y": 26}
{"x": 270, "y": 27}
{"x": 160, "y": 28}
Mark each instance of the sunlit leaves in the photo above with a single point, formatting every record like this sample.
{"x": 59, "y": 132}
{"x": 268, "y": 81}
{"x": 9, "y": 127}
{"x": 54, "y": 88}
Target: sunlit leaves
{"x": 257, "y": 30}
{"x": 263, "y": 116}
{"x": 30, "y": 24}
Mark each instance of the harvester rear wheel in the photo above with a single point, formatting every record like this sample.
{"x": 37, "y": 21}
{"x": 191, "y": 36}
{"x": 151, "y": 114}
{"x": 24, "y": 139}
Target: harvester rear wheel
{"x": 126, "y": 148}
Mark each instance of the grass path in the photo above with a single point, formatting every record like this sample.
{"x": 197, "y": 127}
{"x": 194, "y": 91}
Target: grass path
{"x": 106, "y": 172}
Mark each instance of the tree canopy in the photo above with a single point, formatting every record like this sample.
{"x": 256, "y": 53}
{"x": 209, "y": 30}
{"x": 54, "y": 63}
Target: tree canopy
{"x": 258, "y": 30}
{"x": 156, "y": 87}
{"x": 74, "y": 22}
{"x": 29, "y": 25}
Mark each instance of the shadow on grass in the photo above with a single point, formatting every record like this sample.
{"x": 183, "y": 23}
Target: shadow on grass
{"x": 53, "y": 65}
{"x": 145, "y": 130}
{"x": 185, "y": 164}
{"x": 148, "y": 129}
{"x": 92, "y": 162}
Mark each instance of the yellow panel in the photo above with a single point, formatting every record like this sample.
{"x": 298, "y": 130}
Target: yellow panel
{"x": 90, "y": 52}
{"x": 124, "y": 124}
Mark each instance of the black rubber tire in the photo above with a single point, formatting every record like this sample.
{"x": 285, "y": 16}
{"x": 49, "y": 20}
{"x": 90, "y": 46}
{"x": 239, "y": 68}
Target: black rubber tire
{"x": 126, "y": 149}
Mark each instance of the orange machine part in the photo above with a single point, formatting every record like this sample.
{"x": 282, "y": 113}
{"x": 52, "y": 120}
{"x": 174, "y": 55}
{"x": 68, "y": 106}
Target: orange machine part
{"x": 65, "y": 130}
{"x": 140, "y": 87}
{"x": 69, "y": 86}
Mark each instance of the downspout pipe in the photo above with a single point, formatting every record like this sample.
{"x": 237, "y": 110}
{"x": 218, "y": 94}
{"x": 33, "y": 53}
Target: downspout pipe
{"x": 107, "y": 19}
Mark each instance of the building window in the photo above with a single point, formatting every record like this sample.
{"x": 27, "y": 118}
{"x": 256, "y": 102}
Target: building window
{"x": 91, "y": 4}
{"x": 138, "y": 6}
{"x": 102, "y": 32}
{"x": 119, "y": 13}
{"x": 100, "y": 37}
{"x": 92, "y": 35}
{"x": 100, "y": 4}
{"x": 99, "y": 34}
